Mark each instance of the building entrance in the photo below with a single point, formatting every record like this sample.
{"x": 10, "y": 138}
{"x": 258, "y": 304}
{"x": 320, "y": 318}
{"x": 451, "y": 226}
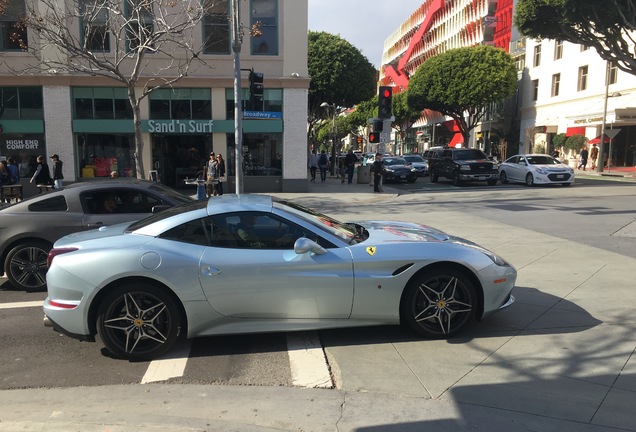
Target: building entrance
{"x": 177, "y": 157}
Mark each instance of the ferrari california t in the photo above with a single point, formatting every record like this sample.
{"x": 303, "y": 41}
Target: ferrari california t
{"x": 254, "y": 263}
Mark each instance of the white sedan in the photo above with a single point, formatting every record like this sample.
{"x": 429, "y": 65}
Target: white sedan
{"x": 534, "y": 169}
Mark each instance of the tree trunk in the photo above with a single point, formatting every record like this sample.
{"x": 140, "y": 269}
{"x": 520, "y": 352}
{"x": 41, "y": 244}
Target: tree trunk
{"x": 139, "y": 160}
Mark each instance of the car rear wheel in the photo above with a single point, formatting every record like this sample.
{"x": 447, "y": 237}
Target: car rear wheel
{"x": 529, "y": 179}
{"x": 439, "y": 303}
{"x": 434, "y": 176}
{"x": 503, "y": 177}
{"x": 25, "y": 265}
{"x": 139, "y": 321}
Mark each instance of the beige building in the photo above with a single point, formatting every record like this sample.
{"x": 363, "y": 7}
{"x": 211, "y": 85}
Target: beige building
{"x": 88, "y": 122}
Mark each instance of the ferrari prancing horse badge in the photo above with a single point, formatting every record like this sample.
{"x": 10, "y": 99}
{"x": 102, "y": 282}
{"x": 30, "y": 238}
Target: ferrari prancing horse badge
{"x": 371, "y": 250}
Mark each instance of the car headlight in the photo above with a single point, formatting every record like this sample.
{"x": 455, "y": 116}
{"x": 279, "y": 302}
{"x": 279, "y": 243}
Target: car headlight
{"x": 493, "y": 256}
{"x": 541, "y": 171}
{"x": 414, "y": 170}
{"x": 464, "y": 168}
{"x": 389, "y": 170}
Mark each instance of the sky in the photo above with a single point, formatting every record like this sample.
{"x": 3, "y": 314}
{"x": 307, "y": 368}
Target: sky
{"x": 365, "y": 24}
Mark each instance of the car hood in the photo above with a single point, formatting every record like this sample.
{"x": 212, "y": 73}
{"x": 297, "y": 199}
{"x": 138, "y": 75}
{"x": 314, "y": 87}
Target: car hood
{"x": 394, "y": 231}
{"x": 552, "y": 167}
{"x": 473, "y": 161}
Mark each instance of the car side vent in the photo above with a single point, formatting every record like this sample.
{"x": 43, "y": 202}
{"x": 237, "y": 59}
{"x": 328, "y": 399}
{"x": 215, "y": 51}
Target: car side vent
{"x": 402, "y": 269}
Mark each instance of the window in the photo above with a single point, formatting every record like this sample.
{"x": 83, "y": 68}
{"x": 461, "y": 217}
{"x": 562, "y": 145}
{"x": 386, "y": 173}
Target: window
{"x": 139, "y": 28}
{"x": 101, "y": 154}
{"x": 21, "y": 103}
{"x": 556, "y": 82}
{"x": 95, "y": 25}
{"x": 256, "y": 230}
{"x": 262, "y": 154}
{"x": 101, "y": 103}
{"x": 13, "y": 36}
{"x": 584, "y": 48}
{"x": 177, "y": 104}
{"x": 216, "y": 25}
{"x": 537, "y": 56}
{"x": 118, "y": 201}
{"x": 272, "y": 101}
{"x": 582, "y": 83}
{"x": 264, "y": 17}
{"x": 613, "y": 74}
{"x": 558, "y": 50}
{"x": 535, "y": 90}
{"x": 57, "y": 203}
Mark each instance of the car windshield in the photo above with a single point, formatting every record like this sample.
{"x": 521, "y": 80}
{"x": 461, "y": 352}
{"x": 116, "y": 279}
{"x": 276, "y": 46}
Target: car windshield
{"x": 345, "y": 231}
{"x": 542, "y": 160}
{"x": 469, "y": 155}
{"x": 414, "y": 158}
{"x": 171, "y": 193}
{"x": 394, "y": 161}
{"x": 172, "y": 211}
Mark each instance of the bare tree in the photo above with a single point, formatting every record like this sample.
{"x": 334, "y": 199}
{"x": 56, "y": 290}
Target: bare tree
{"x": 143, "y": 44}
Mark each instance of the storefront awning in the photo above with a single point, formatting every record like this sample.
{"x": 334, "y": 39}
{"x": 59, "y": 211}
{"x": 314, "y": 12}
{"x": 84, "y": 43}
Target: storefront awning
{"x": 575, "y": 131}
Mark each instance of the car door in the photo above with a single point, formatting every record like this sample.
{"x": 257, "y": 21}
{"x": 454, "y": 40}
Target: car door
{"x": 251, "y": 281}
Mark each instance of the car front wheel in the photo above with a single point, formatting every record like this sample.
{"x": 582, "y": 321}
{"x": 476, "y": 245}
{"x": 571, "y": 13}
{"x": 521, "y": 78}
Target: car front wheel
{"x": 503, "y": 177}
{"x": 25, "y": 265}
{"x": 138, "y": 322}
{"x": 529, "y": 179}
{"x": 439, "y": 303}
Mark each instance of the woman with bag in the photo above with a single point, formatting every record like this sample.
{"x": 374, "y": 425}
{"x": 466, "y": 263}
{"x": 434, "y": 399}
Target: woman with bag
{"x": 42, "y": 175}
{"x": 220, "y": 171}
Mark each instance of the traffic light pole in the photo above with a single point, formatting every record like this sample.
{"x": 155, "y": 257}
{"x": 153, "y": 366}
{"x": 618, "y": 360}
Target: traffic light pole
{"x": 238, "y": 100}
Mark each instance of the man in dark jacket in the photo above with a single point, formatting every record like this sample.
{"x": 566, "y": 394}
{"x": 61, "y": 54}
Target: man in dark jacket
{"x": 57, "y": 171}
{"x": 350, "y": 163}
{"x": 377, "y": 169}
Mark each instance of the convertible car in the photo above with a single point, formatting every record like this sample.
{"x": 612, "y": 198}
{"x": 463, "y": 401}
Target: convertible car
{"x": 254, "y": 263}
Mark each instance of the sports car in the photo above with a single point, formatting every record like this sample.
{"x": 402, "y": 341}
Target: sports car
{"x": 253, "y": 263}
{"x": 534, "y": 169}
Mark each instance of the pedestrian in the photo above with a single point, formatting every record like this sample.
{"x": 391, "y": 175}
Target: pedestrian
{"x": 211, "y": 175}
{"x": 58, "y": 177}
{"x": 221, "y": 173}
{"x": 594, "y": 155}
{"x": 312, "y": 163}
{"x": 583, "y": 160}
{"x": 42, "y": 175}
{"x": 5, "y": 176}
{"x": 14, "y": 170}
{"x": 377, "y": 169}
{"x": 350, "y": 164}
{"x": 323, "y": 164}
{"x": 555, "y": 154}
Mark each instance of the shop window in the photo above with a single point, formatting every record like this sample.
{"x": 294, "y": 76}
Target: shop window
{"x": 216, "y": 27}
{"x": 262, "y": 154}
{"x": 96, "y": 36}
{"x": 101, "y": 154}
{"x": 13, "y": 36}
{"x": 272, "y": 101}
{"x": 178, "y": 104}
{"x": 22, "y": 103}
{"x": 264, "y": 16}
{"x": 101, "y": 103}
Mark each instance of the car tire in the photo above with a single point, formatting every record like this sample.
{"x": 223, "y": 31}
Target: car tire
{"x": 411, "y": 179}
{"x": 456, "y": 181}
{"x": 439, "y": 303}
{"x": 529, "y": 179}
{"x": 434, "y": 176}
{"x": 503, "y": 177}
{"x": 26, "y": 265}
{"x": 139, "y": 321}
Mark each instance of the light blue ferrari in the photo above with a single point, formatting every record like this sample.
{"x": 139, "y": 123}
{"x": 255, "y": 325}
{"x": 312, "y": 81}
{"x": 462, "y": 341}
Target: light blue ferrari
{"x": 253, "y": 263}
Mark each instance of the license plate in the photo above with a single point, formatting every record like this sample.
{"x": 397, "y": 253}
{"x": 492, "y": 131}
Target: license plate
{"x": 481, "y": 178}
{"x": 403, "y": 176}
{"x": 560, "y": 175}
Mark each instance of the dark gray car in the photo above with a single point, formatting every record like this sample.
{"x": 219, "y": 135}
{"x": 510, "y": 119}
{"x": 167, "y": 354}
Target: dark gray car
{"x": 29, "y": 228}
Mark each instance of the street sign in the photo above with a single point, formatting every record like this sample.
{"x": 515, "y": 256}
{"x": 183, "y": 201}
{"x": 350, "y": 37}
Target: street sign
{"x": 611, "y": 133}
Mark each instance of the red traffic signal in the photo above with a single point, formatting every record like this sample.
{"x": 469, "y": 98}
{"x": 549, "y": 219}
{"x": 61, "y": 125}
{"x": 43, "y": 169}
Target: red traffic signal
{"x": 384, "y": 101}
{"x": 374, "y": 137}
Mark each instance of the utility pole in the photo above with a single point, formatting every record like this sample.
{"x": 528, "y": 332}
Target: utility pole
{"x": 237, "y": 39}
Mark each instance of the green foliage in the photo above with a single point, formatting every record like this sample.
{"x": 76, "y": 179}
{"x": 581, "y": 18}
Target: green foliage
{"x": 575, "y": 142}
{"x": 605, "y": 25}
{"x": 364, "y": 111}
{"x": 463, "y": 80}
{"x": 559, "y": 140}
{"x": 404, "y": 114}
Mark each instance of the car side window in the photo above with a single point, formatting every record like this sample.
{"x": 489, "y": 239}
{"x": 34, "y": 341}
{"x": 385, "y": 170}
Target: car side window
{"x": 192, "y": 232}
{"x": 56, "y": 203}
{"x": 118, "y": 201}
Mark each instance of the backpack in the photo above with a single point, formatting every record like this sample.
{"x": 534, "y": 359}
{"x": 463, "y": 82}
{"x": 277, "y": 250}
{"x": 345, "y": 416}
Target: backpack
{"x": 323, "y": 161}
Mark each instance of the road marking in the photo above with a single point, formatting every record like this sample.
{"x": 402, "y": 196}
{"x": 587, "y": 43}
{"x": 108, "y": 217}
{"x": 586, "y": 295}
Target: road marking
{"x": 16, "y": 305}
{"x": 171, "y": 366}
{"x": 307, "y": 359}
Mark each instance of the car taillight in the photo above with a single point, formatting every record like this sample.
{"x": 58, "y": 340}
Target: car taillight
{"x": 55, "y": 252}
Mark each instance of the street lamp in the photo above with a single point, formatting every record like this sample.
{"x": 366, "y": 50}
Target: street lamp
{"x": 333, "y": 132}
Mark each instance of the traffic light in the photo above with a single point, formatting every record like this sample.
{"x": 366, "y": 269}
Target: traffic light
{"x": 378, "y": 126}
{"x": 384, "y": 101}
{"x": 256, "y": 91}
{"x": 374, "y": 137}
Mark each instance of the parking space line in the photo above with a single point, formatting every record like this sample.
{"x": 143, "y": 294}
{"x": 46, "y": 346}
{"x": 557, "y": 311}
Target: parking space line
{"x": 171, "y": 366}
{"x": 307, "y": 360}
{"x": 16, "y": 305}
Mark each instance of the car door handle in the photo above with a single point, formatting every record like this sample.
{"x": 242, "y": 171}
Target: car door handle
{"x": 211, "y": 271}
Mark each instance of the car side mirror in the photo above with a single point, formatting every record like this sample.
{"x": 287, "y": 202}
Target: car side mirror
{"x": 303, "y": 245}
{"x": 160, "y": 207}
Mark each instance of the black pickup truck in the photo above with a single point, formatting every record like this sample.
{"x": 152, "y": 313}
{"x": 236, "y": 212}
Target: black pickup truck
{"x": 462, "y": 165}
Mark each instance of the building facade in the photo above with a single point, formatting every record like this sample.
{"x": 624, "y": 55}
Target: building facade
{"x": 87, "y": 120}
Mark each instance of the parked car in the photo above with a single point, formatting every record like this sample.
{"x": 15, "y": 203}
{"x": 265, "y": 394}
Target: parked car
{"x": 418, "y": 162}
{"x": 396, "y": 169}
{"x": 253, "y": 263}
{"x": 462, "y": 165}
{"x": 534, "y": 169}
{"x": 29, "y": 228}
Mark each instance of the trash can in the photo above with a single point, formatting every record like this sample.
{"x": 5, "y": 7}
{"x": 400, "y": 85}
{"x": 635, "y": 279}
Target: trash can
{"x": 363, "y": 173}
{"x": 201, "y": 189}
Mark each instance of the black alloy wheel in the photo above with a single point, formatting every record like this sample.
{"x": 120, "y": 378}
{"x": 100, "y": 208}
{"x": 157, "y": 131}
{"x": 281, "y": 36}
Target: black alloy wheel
{"x": 439, "y": 304}
{"x": 139, "y": 322}
{"x": 503, "y": 177}
{"x": 26, "y": 266}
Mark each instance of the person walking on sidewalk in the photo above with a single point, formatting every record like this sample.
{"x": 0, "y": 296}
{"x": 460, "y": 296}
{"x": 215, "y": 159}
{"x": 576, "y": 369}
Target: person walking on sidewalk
{"x": 41, "y": 176}
{"x": 312, "y": 163}
{"x": 377, "y": 169}
{"x": 594, "y": 155}
{"x": 323, "y": 164}
{"x": 350, "y": 164}
{"x": 583, "y": 160}
{"x": 57, "y": 171}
